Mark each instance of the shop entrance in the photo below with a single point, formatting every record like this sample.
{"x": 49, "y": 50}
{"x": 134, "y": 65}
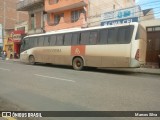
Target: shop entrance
{"x": 16, "y": 50}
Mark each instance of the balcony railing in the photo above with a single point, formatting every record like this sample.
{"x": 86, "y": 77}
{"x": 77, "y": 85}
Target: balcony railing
{"x": 28, "y": 4}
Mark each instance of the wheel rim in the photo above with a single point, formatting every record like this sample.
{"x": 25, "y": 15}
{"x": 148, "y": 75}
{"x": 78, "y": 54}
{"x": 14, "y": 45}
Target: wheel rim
{"x": 31, "y": 59}
{"x": 78, "y": 63}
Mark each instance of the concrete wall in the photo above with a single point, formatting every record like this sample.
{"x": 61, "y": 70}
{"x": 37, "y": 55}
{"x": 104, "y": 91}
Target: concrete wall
{"x": 148, "y": 16}
{"x": 97, "y": 7}
{"x": 148, "y": 23}
{"x": 10, "y": 15}
{"x": 38, "y": 20}
{"x": 23, "y": 24}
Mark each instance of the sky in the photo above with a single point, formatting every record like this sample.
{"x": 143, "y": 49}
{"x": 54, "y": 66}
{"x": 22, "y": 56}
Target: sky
{"x": 146, "y": 4}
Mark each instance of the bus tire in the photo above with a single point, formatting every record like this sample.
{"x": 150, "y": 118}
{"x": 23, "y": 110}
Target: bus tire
{"x": 31, "y": 60}
{"x": 78, "y": 63}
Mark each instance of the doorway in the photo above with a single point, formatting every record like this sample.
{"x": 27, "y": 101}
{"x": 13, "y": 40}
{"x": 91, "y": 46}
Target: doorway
{"x": 153, "y": 46}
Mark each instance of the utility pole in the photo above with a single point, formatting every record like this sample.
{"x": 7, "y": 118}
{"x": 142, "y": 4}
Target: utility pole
{"x": 4, "y": 14}
{"x": 4, "y": 20}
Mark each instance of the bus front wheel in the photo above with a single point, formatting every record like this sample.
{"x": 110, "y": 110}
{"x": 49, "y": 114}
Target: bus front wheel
{"x": 78, "y": 63}
{"x": 31, "y": 60}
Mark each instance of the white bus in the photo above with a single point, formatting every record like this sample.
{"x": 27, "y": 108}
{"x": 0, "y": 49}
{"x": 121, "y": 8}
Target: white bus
{"x": 107, "y": 46}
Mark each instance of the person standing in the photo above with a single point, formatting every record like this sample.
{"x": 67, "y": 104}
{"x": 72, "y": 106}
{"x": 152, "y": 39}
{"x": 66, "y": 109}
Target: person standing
{"x": 5, "y": 54}
{"x": 2, "y": 54}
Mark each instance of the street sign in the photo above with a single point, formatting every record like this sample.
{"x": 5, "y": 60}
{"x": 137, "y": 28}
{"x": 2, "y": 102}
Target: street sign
{"x": 119, "y": 21}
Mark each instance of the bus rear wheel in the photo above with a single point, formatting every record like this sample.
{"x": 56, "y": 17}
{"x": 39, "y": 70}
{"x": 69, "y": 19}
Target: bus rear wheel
{"x": 31, "y": 60}
{"x": 78, "y": 63}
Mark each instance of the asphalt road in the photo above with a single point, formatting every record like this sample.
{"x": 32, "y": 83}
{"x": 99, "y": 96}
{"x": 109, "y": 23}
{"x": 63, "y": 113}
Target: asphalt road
{"x": 59, "y": 88}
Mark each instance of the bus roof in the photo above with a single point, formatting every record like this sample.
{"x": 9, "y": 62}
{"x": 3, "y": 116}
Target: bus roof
{"x": 80, "y": 29}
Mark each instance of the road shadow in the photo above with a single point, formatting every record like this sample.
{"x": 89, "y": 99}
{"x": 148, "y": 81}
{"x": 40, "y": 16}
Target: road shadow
{"x": 90, "y": 69}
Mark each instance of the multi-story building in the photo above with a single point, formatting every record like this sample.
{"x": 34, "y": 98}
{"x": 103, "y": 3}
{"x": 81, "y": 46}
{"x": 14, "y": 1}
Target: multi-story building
{"x": 9, "y": 16}
{"x": 64, "y": 14}
{"x": 98, "y": 7}
{"x": 35, "y": 9}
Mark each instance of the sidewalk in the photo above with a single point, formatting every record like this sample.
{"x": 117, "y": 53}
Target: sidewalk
{"x": 14, "y": 60}
{"x": 137, "y": 70}
{"x": 134, "y": 70}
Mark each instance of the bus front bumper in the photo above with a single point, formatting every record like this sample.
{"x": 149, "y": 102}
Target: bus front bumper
{"x": 24, "y": 58}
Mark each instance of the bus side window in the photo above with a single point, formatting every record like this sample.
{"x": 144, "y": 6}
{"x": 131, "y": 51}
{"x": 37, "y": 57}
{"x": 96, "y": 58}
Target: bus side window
{"x": 53, "y": 40}
{"x": 46, "y": 40}
{"x": 41, "y": 41}
{"x": 112, "y": 36}
{"x": 67, "y": 39}
{"x": 93, "y": 37}
{"x": 124, "y": 35}
{"x": 35, "y": 41}
{"x": 31, "y": 42}
{"x": 60, "y": 39}
{"x": 121, "y": 35}
{"x": 26, "y": 44}
{"x": 85, "y": 38}
{"x": 23, "y": 45}
{"x": 75, "y": 38}
{"x": 103, "y": 36}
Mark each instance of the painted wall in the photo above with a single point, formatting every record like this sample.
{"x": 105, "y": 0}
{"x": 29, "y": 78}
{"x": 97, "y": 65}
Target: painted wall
{"x": 65, "y": 7}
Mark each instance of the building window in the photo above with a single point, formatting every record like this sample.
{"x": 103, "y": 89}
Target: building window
{"x": 157, "y": 29}
{"x": 32, "y": 21}
{"x": 57, "y": 18}
{"x": 21, "y": 28}
{"x": 151, "y": 29}
{"x": 75, "y": 15}
{"x": 53, "y": 1}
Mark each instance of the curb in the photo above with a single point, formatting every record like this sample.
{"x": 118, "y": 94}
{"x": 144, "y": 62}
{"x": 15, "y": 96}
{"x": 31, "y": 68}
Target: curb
{"x": 14, "y": 60}
{"x": 135, "y": 70}
{"x": 145, "y": 72}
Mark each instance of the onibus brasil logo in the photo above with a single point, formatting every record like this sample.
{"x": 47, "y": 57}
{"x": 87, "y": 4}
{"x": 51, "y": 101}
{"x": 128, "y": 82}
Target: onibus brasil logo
{"x": 21, "y": 114}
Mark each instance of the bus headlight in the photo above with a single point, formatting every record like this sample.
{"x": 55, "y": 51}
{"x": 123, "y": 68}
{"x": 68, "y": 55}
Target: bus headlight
{"x": 25, "y": 52}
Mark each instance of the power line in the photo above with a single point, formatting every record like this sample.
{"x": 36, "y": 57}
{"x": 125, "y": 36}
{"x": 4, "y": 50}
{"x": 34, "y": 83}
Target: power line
{"x": 148, "y": 3}
{"x": 131, "y": 13}
{"x": 103, "y": 5}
